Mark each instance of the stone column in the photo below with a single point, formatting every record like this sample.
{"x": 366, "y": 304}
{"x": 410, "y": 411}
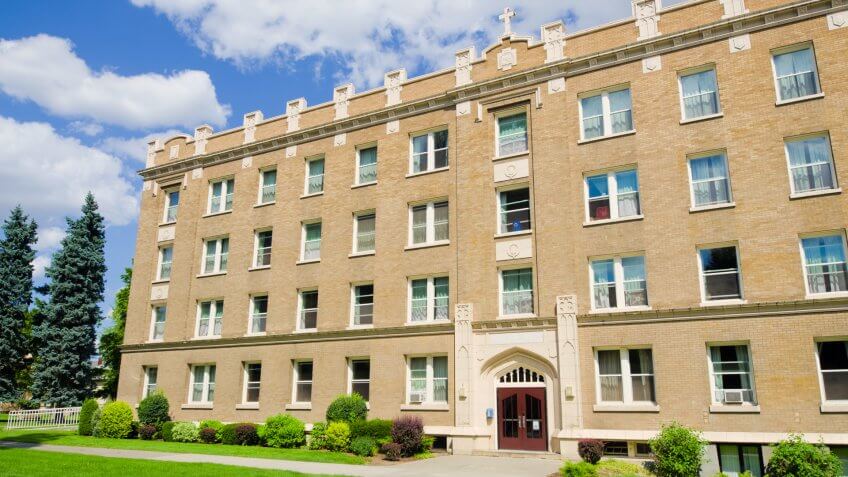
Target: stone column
{"x": 569, "y": 368}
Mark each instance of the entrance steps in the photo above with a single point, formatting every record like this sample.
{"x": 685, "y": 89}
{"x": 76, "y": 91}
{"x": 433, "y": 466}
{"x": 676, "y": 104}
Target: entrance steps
{"x": 518, "y": 454}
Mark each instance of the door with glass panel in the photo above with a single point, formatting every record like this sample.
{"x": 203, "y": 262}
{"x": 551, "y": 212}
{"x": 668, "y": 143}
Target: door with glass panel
{"x": 522, "y": 421}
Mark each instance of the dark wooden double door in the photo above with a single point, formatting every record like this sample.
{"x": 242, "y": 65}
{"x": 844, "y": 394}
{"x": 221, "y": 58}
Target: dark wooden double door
{"x": 522, "y": 424}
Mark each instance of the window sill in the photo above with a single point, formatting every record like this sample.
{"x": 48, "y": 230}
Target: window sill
{"x": 825, "y": 296}
{"x": 359, "y": 186}
{"x": 306, "y": 331}
{"x": 626, "y": 408}
{"x": 603, "y": 138}
{"x": 299, "y": 406}
{"x": 704, "y": 208}
{"x": 513, "y": 234}
{"x": 623, "y": 309}
{"x": 736, "y": 301}
{"x": 702, "y": 118}
{"x": 425, "y": 322}
{"x": 254, "y": 269}
{"x": 160, "y": 282}
{"x": 516, "y": 316}
{"x": 734, "y": 409}
{"x": 264, "y": 204}
{"x": 833, "y": 408}
{"x": 156, "y": 341}
{"x": 511, "y": 156}
{"x": 425, "y": 407}
{"x": 215, "y": 214}
{"x": 165, "y": 224}
{"x": 427, "y": 245}
{"x": 316, "y": 194}
{"x": 204, "y": 338}
{"x": 251, "y": 406}
{"x": 216, "y": 274}
{"x": 196, "y": 406}
{"x": 360, "y": 327}
{"x": 613, "y": 221}
{"x": 362, "y": 254}
{"x": 306, "y": 262}
{"x": 816, "y": 193}
{"x": 799, "y": 100}
{"x": 424, "y": 173}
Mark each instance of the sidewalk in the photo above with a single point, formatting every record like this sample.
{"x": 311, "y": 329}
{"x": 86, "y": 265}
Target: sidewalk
{"x": 442, "y": 466}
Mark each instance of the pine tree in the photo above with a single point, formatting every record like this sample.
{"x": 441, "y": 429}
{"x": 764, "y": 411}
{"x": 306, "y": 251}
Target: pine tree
{"x": 16, "y": 256}
{"x": 63, "y": 373}
{"x": 112, "y": 338}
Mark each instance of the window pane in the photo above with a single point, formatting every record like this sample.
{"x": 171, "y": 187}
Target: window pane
{"x": 833, "y": 361}
{"x": 361, "y": 369}
{"x": 312, "y": 244}
{"x": 367, "y": 165}
{"x": 366, "y": 232}
{"x": 440, "y": 221}
{"x": 627, "y": 184}
{"x": 440, "y": 379}
{"x": 441, "y": 287}
{"x": 316, "y": 176}
{"x": 620, "y": 111}
{"x": 795, "y": 74}
{"x": 721, "y": 273}
{"x": 810, "y": 164}
{"x": 609, "y": 370}
{"x": 419, "y": 153}
{"x": 269, "y": 186}
{"x": 635, "y": 285}
{"x": 730, "y": 463}
{"x": 364, "y": 305}
{"x": 419, "y": 300}
{"x": 593, "y": 117}
{"x": 419, "y": 224}
{"x": 517, "y": 293}
{"x": 512, "y": 134}
{"x": 699, "y": 94}
{"x": 598, "y": 189}
{"x": 642, "y": 374}
{"x": 515, "y": 210}
{"x": 225, "y": 253}
{"x": 440, "y": 152}
{"x": 825, "y": 264}
{"x": 603, "y": 283}
{"x": 709, "y": 180}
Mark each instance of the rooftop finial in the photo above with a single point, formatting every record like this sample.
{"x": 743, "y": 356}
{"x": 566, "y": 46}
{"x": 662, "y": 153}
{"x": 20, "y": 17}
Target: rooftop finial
{"x": 505, "y": 17}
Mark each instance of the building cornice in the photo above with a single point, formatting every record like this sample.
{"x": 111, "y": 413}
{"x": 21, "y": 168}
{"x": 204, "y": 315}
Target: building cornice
{"x": 513, "y": 324}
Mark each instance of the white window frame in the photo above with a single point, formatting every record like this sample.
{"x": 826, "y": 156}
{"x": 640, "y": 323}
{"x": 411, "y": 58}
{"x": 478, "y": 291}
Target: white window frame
{"x": 429, "y": 380}
{"x": 626, "y": 377}
{"x": 606, "y": 112}
{"x": 711, "y": 372}
{"x": 296, "y": 380}
{"x": 353, "y": 286}
{"x": 152, "y": 335}
{"x": 251, "y": 312}
{"x": 225, "y": 191}
{"x": 262, "y": 186}
{"x": 161, "y": 262}
{"x": 359, "y": 149}
{"x": 829, "y": 233}
{"x": 702, "y": 277}
{"x": 431, "y": 151}
{"x": 702, "y": 155}
{"x": 619, "y": 283}
{"x": 207, "y": 383}
{"x": 307, "y": 162}
{"x": 612, "y": 197}
{"x": 216, "y": 269}
{"x": 792, "y": 49}
{"x": 507, "y": 114}
{"x": 301, "y": 310}
{"x": 355, "y": 244}
{"x": 256, "y": 233}
{"x": 500, "y": 212}
{"x": 146, "y": 390}
{"x": 430, "y": 223}
{"x": 694, "y": 71}
{"x": 431, "y": 299}
{"x": 351, "y": 381}
{"x": 168, "y": 206}
{"x": 842, "y": 403}
{"x": 247, "y": 384}
{"x": 303, "y": 226}
{"x": 533, "y": 292}
{"x": 213, "y": 310}
{"x": 834, "y": 178}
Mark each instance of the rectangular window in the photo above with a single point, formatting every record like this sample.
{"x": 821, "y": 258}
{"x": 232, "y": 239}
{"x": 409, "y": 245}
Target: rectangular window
{"x": 428, "y": 380}
{"x": 216, "y": 253}
{"x": 429, "y": 223}
{"x": 428, "y": 299}
{"x": 262, "y": 255}
{"x": 308, "y": 319}
{"x": 612, "y": 195}
{"x": 360, "y": 377}
{"x": 699, "y": 94}
{"x": 735, "y": 460}
{"x": 795, "y": 73}
{"x": 366, "y": 165}
{"x": 202, "y": 384}
{"x": 267, "y": 186}
{"x": 363, "y": 304}
{"x": 731, "y": 375}
{"x": 151, "y": 376}
{"x": 303, "y": 381}
{"x": 311, "y": 241}
{"x": 824, "y": 264}
{"x": 172, "y": 204}
{"x": 252, "y": 382}
{"x": 221, "y": 196}
{"x": 517, "y": 292}
{"x": 258, "y": 314}
{"x": 514, "y": 208}
{"x": 619, "y": 282}
{"x": 365, "y": 232}
{"x": 606, "y": 114}
{"x": 833, "y": 366}
{"x": 210, "y": 317}
{"x": 314, "y": 176}
{"x": 720, "y": 278}
{"x": 429, "y": 152}
{"x": 710, "y": 180}
{"x": 810, "y": 164}
{"x": 157, "y": 328}
{"x": 512, "y": 134}
{"x": 166, "y": 257}
{"x": 625, "y": 376}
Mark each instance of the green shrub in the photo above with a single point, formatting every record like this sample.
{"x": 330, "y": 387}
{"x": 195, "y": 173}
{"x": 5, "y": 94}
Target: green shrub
{"x": 116, "y": 420}
{"x": 154, "y": 409}
{"x": 95, "y": 422}
{"x": 210, "y": 436}
{"x": 284, "y": 431}
{"x": 621, "y": 468}
{"x": 318, "y": 436}
{"x": 677, "y": 451}
{"x": 795, "y": 457}
{"x": 378, "y": 429}
{"x": 579, "y": 469}
{"x": 347, "y": 408}
{"x": 165, "y": 431}
{"x": 338, "y": 436}
{"x": 185, "y": 432}
{"x": 239, "y": 434}
{"x": 89, "y": 407}
{"x": 364, "y": 446}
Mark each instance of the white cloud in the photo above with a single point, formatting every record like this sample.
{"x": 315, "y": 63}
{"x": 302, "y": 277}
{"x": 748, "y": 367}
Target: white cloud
{"x": 134, "y": 147}
{"x": 49, "y": 175}
{"x": 49, "y": 238}
{"x": 89, "y": 129}
{"x": 39, "y": 265}
{"x": 44, "y": 69}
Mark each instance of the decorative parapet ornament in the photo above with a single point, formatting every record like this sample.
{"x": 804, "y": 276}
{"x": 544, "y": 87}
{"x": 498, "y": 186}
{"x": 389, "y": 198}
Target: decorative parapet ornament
{"x": 250, "y": 122}
{"x": 201, "y": 138}
{"x": 507, "y": 58}
{"x": 152, "y": 147}
{"x": 464, "y": 58}
{"x": 293, "y": 110}
{"x": 341, "y": 98}
{"x": 553, "y": 35}
{"x": 733, "y": 8}
{"x": 647, "y": 17}
{"x": 393, "y": 81}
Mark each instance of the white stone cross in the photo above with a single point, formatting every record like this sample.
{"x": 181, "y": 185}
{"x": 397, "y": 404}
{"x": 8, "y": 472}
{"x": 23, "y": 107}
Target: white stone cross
{"x": 505, "y": 18}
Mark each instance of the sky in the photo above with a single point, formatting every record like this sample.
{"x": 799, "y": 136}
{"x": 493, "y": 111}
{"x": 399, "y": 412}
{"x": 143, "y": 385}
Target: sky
{"x": 84, "y": 85}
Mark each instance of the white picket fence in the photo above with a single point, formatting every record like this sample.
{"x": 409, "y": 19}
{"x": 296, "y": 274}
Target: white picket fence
{"x": 56, "y": 418}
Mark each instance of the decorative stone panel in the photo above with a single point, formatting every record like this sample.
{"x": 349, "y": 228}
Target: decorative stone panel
{"x": 464, "y": 362}
{"x": 569, "y": 368}
{"x": 166, "y": 233}
{"x": 392, "y": 126}
{"x": 740, "y": 43}
{"x": 201, "y": 138}
{"x": 159, "y": 292}
{"x": 250, "y": 122}
{"x": 291, "y": 151}
{"x": 647, "y": 17}
{"x": 341, "y": 100}
{"x": 464, "y": 58}
{"x": 513, "y": 249}
{"x": 651, "y": 64}
{"x": 553, "y": 34}
{"x": 733, "y": 8}
{"x": 340, "y": 140}
{"x": 511, "y": 169}
{"x": 463, "y": 109}
{"x": 247, "y": 162}
{"x": 393, "y": 81}
{"x": 197, "y": 173}
{"x": 293, "y": 110}
{"x": 837, "y": 20}
{"x": 152, "y": 147}
{"x": 556, "y": 85}
{"x": 507, "y": 58}
{"x": 174, "y": 152}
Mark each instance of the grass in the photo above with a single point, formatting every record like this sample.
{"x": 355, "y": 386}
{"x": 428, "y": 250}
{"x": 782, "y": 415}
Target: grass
{"x": 25, "y": 463}
{"x": 4, "y": 417}
{"x": 613, "y": 468}
{"x": 67, "y": 438}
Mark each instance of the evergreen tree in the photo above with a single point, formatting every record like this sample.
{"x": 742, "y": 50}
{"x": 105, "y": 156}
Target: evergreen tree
{"x": 63, "y": 373}
{"x": 16, "y": 256}
{"x": 112, "y": 338}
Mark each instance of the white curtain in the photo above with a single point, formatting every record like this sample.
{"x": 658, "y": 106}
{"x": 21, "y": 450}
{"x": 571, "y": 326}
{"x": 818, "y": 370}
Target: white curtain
{"x": 810, "y": 163}
{"x": 796, "y": 77}
{"x": 609, "y": 368}
{"x": 627, "y": 184}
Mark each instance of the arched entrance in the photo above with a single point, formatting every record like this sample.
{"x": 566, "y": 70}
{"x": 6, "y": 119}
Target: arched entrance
{"x": 522, "y": 410}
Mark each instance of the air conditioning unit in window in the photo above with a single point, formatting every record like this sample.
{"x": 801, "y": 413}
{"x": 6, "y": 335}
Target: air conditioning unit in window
{"x": 416, "y": 397}
{"x": 733, "y": 397}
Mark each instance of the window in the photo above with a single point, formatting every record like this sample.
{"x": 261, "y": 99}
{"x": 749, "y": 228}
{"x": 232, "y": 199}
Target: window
{"x": 303, "y": 381}
{"x": 606, "y": 114}
{"x": 221, "y": 196}
{"x": 810, "y": 164}
{"x": 365, "y": 232}
{"x": 360, "y": 377}
{"x": 216, "y": 253}
{"x": 731, "y": 375}
{"x": 429, "y": 152}
{"x": 795, "y": 73}
{"x": 619, "y": 282}
{"x": 615, "y": 448}
{"x": 517, "y": 292}
{"x": 210, "y": 315}
{"x": 710, "y": 180}
{"x": 172, "y": 204}
{"x": 258, "y": 314}
{"x": 719, "y": 274}
{"x": 308, "y": 319}
{"x": 734, "y": 460}
{"x": 612, "y": 195}
{"x": 157, "y": 328}
{"x": 428, "y": 379}
{"x": 428, "y": 299}
{"x": 429, "y": 223}
{"x": 366, "y": 165}
{"x": 842, "y": 453}
{"x": 625, "y": 376}
{"x": 363, "y": 304}
{"x": 315, "y": 176}
{"x": 262, "y": 255}
{"x": 311, "y": 241}
{"x": 512, "y": 134}
{"x": 514, "y": 211}
{"x": 166, "y": 257}
{"x": 151, "y": 375}
{"x": 824, "y": 264}
{"x": 699, "y": 94}
{"x": 252, "y": 382}
{"x": 833, "y": 365}
{"x": 202, "y": 384}
{"x": 267, "y": 186}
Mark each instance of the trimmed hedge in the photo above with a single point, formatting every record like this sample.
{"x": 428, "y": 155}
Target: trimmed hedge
{"x": 378, "y": 429}
{"x": 318, "y": 436}
{"x": 212, "y": 435}
{"x": 166, "y": 429}
{"x": 338, "y": 436}
{"x": 185, "y": 432}
{"x": 89, "y": 407}
{"x": 363, "y": 446}
{"x": 347, "y": 408}
{"x": 154, "y": 409}
{"x": 240, "y": 434}
{"x": 116, "y": 420}
{"x": 284, "y": 431}
{"x": 677, "y": 451}
{"x": 590, "y": 450}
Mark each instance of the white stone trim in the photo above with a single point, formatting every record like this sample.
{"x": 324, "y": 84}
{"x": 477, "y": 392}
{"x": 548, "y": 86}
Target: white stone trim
{"x": 837, "y": 20}
{"x": 733, "y": 8}
{"x": 341, "y": 100}
{"x": 712, "y": 436}
{"x": 740, "y": 43}
{"x": 463, "y": 61}
{"x": 293, "y": 110}
{"x": 553, "y": 36}
{"x": 393, "y": 82}
{"x": 201, "y": 138}
{"x": 249, "y": 124}
{"x": 647, "y": 17}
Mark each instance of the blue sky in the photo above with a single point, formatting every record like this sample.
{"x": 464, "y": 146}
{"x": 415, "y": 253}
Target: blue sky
{"x": 84, "y": 85}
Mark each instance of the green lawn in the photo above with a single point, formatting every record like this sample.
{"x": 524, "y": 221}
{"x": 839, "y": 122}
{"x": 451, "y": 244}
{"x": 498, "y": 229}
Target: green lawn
{"x": 67, "y": 438}
{"x": 3, "y": 418}
{"x": 25, "y": 463}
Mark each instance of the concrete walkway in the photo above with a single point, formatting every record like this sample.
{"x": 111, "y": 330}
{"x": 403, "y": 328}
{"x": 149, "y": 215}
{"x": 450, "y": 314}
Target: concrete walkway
{"x": 441, "y": 466}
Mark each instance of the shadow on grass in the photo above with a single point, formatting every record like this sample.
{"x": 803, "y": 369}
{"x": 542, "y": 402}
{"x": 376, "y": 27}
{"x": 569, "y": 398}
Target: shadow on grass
{"x": 34, "y": 437}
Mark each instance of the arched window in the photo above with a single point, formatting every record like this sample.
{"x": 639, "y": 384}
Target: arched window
{"x": 522, "y": 375}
